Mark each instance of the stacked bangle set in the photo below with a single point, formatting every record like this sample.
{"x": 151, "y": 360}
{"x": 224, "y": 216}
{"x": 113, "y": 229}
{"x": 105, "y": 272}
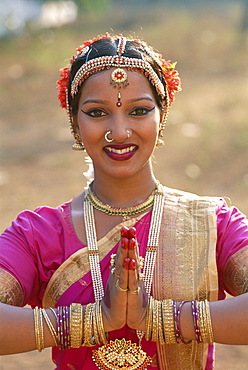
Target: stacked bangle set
{"x": 163, "y": 321}
{"x": 76, "y": 326}
{"x": 79, "y": 325}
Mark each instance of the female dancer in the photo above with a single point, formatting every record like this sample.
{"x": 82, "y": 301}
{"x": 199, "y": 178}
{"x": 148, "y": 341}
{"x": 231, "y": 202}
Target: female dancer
{"x": 129, "y": 274}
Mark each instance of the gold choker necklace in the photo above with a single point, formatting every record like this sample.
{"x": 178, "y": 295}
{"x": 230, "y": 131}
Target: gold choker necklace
{"x": 125, "y": 212}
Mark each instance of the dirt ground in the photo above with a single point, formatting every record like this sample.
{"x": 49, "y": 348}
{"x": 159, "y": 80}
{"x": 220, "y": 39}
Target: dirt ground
{"x": 227, "y": 357}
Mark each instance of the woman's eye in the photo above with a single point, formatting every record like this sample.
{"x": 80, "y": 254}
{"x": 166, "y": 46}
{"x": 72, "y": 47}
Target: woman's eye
{"x": 95, "y": 113}
{"x": 141, "y": 111}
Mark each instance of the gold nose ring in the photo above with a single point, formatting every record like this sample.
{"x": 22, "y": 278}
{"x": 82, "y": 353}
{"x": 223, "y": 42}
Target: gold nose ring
{"x": 106, "y": 136}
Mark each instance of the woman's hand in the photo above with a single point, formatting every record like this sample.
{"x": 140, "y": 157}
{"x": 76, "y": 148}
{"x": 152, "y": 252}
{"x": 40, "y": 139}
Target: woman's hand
{"x": 114, "y": 303}
{"x": 137, "y": 299}
{"x": 125, "y": 299}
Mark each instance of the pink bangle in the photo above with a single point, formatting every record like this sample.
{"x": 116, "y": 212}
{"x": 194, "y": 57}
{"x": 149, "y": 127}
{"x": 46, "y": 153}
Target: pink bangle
{"x": 174, "y": 304}
{"x": 195, "y": 314}
{"x": 178, "y": 327}
{"x": 63, "y": 328}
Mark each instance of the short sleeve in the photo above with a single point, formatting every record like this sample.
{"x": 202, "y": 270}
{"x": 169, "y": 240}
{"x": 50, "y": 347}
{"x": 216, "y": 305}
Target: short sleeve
{"x": 232, "y": 249}
{"x": 17, "y": 261}
{"x": 31, "y": 249}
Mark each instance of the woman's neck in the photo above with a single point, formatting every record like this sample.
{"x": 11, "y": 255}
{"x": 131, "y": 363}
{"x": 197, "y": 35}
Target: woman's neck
{"x": 123, "y": 192}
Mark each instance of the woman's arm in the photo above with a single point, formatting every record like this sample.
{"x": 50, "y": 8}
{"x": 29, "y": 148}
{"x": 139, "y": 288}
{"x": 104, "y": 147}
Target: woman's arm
{"x": 17, "y": 333}
{"x": 229, "y": 320}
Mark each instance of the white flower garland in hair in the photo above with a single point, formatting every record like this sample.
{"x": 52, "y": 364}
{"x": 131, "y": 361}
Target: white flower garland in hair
{"x": 89, "y": 174}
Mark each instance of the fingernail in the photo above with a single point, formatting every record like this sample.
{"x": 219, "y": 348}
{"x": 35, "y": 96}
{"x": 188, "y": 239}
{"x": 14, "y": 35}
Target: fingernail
{"x": 126, "y": 263}
{"x": 132, "y": 233}
{"x": 124, "y": 232}
{"x": 132, "y": 265}
{"x": 131, "y": 244}
{"x": 124, "y": 243}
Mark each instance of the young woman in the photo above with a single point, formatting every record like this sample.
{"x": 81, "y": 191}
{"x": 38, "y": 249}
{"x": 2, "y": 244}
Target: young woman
{"x": 129, "y": 274}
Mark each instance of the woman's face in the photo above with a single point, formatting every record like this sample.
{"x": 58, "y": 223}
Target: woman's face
{"x": 138, "y": 114}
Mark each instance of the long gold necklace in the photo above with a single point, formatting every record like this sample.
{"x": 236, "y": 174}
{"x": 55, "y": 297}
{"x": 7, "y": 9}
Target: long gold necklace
{"x": 122, "y": 354}
{"x": 124, "y": 212}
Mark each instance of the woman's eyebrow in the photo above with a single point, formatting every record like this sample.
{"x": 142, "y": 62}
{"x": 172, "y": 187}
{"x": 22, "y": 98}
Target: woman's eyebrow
{"x": 142, "y": 98}
{"x": 98, "y": 101}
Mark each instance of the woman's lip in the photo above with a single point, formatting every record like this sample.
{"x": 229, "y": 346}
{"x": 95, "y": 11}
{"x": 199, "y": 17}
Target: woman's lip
{"x": 111, "y": 151}
{"x": 119, "y": 146}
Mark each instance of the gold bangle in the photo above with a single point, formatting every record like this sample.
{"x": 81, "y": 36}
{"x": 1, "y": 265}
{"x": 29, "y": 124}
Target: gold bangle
{"x": 168, "y": 321}
{"x": 88, "y": 325}
{"x": 95, "y": 326}
{"x": 155, "y": 313}
{"x": 209, "y": 322}
{"x": 202, "y": 321}
{"x": 205, "y": 322}
{"x": 38, "y": 325}
{"x": 99, "y": 321}
{"x": 76, "y": 325}
{"x": 50, "y": 326}
{"x": 149, "y": 319}
{"x": 160, "y": 324}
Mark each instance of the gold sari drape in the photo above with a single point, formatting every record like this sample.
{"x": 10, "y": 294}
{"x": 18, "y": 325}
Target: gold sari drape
{"x": 186, "y": 267}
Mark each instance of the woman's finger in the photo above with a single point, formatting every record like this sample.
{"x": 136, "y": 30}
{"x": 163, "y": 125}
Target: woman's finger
{"x": 121, "y": 254}
{"x": 133, "y": 253}
{"x": 133, "y": 282}
{"x": 121, "y": 283}
{"x": 125, "y": 232}
{"x": 132, "y": 233}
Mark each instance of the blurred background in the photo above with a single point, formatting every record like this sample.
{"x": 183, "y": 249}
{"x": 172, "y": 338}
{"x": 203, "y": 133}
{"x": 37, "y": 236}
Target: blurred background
{"x": 206, "y": 138}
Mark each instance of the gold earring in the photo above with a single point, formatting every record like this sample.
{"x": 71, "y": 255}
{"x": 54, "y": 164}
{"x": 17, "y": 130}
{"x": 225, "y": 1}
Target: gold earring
{"x": 160, "y": 142}
{"x": 78, "y": 145}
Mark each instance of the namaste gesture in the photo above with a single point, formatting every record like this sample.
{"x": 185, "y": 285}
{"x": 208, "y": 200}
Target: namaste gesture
{"x": 125, "y": 298}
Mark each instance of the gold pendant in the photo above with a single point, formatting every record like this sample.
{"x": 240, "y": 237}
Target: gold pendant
{"x": 121, "y": 354}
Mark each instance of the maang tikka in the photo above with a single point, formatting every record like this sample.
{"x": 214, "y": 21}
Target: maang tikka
{"x": 118, "y": 77}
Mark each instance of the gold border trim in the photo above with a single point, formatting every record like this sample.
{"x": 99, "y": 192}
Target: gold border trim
{"x": 236, "y": 273}
{"x": 10, "y": 289}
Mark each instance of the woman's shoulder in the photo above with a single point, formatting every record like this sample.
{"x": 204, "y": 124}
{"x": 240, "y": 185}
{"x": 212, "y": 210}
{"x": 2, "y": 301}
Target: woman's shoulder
{"x": 188, "y": 196}
{"x": 46, "y": 212}
{"x": 41, "y": 219}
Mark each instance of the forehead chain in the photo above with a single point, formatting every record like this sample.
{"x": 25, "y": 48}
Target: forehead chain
{"x": 121, "y": 45}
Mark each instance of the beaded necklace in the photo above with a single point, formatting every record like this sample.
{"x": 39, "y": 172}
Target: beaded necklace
{"x": 105, "y": 356}
{"x": 125, "y": 212}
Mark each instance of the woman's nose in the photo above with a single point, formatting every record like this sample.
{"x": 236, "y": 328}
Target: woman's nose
{"x": 120, "y": 132}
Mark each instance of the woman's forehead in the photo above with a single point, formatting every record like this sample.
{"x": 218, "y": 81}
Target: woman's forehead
{"x": 104, "y": 80}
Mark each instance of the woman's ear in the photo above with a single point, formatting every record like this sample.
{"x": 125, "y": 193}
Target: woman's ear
{"x": 75, "y": 124}
{"x": 76, "y": 133}
{"x": 162, "y": 116}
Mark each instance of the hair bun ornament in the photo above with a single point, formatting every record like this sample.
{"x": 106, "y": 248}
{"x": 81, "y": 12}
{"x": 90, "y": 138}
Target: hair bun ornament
{"x": 62, "y": 85}
{"x": 171, "y": 76}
